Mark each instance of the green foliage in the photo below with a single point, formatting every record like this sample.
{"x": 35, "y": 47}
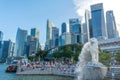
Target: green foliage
{"x": 78, "y": 49}
{"x": 68, "y": 52}
{"x": 72, "y": 52}
{"x": 57, "y": 54}
{"x": 117, "y": 56}
{"x": 105, "y": 57}
{"x": 41, "y": 53}
{"x": 31, "y": 58}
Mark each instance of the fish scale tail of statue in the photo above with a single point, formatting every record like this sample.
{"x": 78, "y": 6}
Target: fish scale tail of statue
{"x": 88, "y": 67}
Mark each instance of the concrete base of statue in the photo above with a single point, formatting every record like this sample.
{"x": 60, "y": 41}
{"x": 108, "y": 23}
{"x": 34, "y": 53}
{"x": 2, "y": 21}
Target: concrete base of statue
{"x": 92, "y": 72}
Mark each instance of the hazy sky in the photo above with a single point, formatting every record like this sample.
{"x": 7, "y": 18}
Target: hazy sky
{"x": 28, "y": 14}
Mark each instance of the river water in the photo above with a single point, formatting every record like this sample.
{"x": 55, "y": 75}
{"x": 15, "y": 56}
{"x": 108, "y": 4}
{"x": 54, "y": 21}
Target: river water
{"x": 13, "y": 76}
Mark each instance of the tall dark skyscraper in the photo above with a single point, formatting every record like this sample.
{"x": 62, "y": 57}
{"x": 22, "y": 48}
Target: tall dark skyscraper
{"x": 6, "y": 50}
{"x": 1, "y": 43}
{"x": 75, "y": 25}
{"x": 31, "y": 46}
{"x": 63, "y": 28}
{"x": 55, "y": 36}
{"x": 111, "y": 25}
{"x": 35, "y": 32}
{"x": 98, "y": 22}
{"x": 1, "y": 35}
{"x": 21, "y": 39}
{"x": 75, "y": 30}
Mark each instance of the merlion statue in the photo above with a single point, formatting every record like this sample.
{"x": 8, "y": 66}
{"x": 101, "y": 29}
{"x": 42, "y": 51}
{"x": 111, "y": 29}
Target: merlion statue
{"x": 89, "y": 52}
{"x": 88, "y": 66}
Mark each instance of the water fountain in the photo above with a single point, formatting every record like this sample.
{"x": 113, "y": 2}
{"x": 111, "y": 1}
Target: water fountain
{"x": 88, "y": 66}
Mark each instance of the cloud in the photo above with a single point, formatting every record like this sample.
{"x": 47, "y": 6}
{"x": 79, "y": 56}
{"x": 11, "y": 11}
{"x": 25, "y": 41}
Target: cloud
{"x": 82, "y": 5}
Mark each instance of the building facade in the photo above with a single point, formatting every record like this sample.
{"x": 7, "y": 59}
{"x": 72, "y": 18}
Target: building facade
{"x": 1, "y": 47}
{"x": 63, "y": 28}
{"x": 98, "y": 22}
{"x": 49, "y": 35}
{"x": 55, "y": 37}
{"x": 110, "y": 45}
{"x": 111, "y": 25}
{"x": 6, "y": 50}
{"x": 86, "y": 28}
{"x": 31, "y": 47}
{"x": 65, "y": 39}
{"x": 36, "y": 33}
{"x": 21, "y": 39}
{"x": 1, "y": 35}
{"x": 75, "y": 30}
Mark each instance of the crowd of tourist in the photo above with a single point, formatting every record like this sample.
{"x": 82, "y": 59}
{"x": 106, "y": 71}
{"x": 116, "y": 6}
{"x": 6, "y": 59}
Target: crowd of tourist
{"x": 63, "y": 67}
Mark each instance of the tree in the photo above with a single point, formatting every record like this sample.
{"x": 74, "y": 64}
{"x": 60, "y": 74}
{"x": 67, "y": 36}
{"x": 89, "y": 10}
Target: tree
{"x": 57, "y": 54}
{"x": 78, "y": 49}
{"x": 67, "y": 52}
{"x": 41, "y": 53}
{"x": 105, "y": 57}
{"x": 117, "y": 56}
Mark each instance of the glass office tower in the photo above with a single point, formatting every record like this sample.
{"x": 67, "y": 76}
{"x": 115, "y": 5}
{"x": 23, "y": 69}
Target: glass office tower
{"x": 21, "y": 39}
{"x": 98, "y": 22}
{"x": 111, "y": 25}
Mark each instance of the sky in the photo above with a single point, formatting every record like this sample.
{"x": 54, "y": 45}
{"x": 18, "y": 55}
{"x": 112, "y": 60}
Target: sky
{"x": 28, "y": 14}
{"x": 81, "y": 5}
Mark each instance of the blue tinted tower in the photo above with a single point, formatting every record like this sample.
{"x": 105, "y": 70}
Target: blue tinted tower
{"x": 75, "y": 30}
{"x": 21, "y": 40}
{"x": 111, "y": 25}
{"x": 55, "y": 37}
{"x": 63, "y": 28}
{"x": 99, "y": 30}
{"x": 1, "y": 35}
{"x": 6, "y": 50}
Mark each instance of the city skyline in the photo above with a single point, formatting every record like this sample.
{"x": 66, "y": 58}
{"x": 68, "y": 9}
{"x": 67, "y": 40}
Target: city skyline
{"x": 34, "y": 14}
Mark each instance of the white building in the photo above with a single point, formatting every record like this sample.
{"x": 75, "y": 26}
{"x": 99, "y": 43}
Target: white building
{"x": 111, "y": 45}
{"x": 65, "y": 38}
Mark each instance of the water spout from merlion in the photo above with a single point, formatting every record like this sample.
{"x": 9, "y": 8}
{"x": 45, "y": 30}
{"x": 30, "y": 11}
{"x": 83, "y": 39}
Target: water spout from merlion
{"x": 88, "y": 66}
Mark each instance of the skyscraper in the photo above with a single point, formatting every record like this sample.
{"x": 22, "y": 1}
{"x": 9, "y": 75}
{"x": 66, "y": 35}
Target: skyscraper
{"x": 111, "y": 25}
{"x": 32, "y": 45}
{"x": 65, "y": 39}
{"x": 75, "y": 25}
{"x": 86, "y": 27}
{"x": 1, "y": 35}
{"x": 21, "y": 39}
{"x": 63, "y": 28}
{"x": 98, "y": 22}
{"x": 75, "y": 30}
{"x": 49, "y": 35}
{"x": 55, "y": 36}
{"x": 1, "y": 43}
{"x": 6, "y": 50}
{"x": 35, "y": 32}
{"x": 1, "y": 47}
